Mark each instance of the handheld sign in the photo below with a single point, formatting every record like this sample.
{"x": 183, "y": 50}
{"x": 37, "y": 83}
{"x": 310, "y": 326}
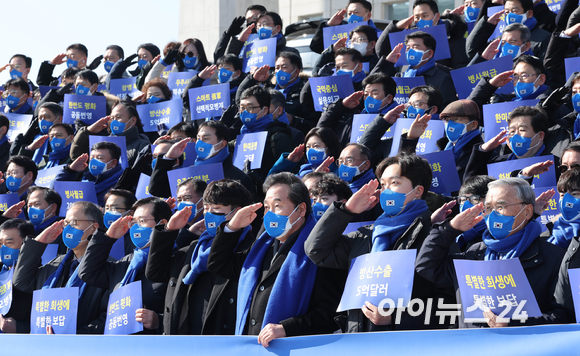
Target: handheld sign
{"x": 167, "y": 113}
{"x": 207, "y": 173}
{"x": 327, "y": 90}
{"x": 142, "y": 190}
{"x": 501, "y": 286}
{"x": 189, "y": 154}
{"x": 250, "y": 147}
{"x": 5, "y": 290}
{"x": 495, "y": 116}
{"x": 209, "y": 101}
{"x": 379, "y": 275}
{"x": 552, "y": 210}
{"x": 465, "y": 79}
{"x": 574, "y": 275}
{"x": 19, "y": 123}
{"x": 331, "y": 34}
{"x": 554, "y": 5}
{"x": 117, "y": 140}
{"x": 503, "y": 169}
{"x": 9, "y": 199}
{"x": 75, "y": 191}
{"x": 89, "y": 109}
{"x": 500, "y": 25}
{"x": 427, "y": 142}
{"x": 572, "y": 65}
{"x": 46, "y": 177}
{"x": 167, "y": 71}
{"x": 445, "y": 176}
{"x": 355, "y": 226}
{"x": 438, "y": 32}
{"x": 404, "y": 87}
{"x": 360, "y": 123}
{"x": 123, "y": 87}
{"x": 56, "y": 307}
{"x": 260, "y": 53}
{"x": 178, "y": 81}
{"x": 123, "y": 303}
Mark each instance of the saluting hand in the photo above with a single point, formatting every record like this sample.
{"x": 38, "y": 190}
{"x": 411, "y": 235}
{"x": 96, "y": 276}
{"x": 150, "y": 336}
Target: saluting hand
{"x": 468, "y": 219}
{"x": 15, "y": 210}
{"x": 363, "y": 199}
{"x": 119, "y": 228}
{"x": 244, "y": 217}
{"x": 179, "y": 219}
{"x": 80, "y": 164}
{"x": 51, "y": 233}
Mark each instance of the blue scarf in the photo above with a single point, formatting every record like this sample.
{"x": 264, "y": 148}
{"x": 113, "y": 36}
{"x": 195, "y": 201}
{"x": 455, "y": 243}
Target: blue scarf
{"x": 40, "y": 228}
{"x": 384, "y": 110}
{"x": 461, "y": 142}
{"x": 201, "y": 254}
{"x": 284, "y": 118}
{"x": 137, "y": 264}
{"x": 388, "y": 229}
{"x": 410, "y": 72}
{"x": 39, "y": 153}
{"x": 307, "y": 168}
{"x": 534, "y": 95}
{"x": 531, "y": 23}
{"x": 104, "y": 181}
{"x": 577, "y": 127}
{"x": 359, "y": 76}
{"x": 512, "y": 156}
{"x": 54, "y": 158}
{"x": 258, "y": 125}
{"x": 292, "y": 289}
{"x": 285, "y": 90}
{"x": 73, "y": 281}
{"x": 512, "y": 246}
{"x": 361, "y": 180}
{"x": 23, "y": 109}
{"x": 221, "y": 156}
{"x": 563, "y": 232}
{"x": 471, "y": 235}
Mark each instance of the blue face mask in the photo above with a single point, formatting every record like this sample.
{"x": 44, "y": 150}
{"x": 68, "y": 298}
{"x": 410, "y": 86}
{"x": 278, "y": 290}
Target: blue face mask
{"x": 12, "y": 101}
{"x": 108, "y": 66}
{"x": 415, "y": 57}
{"x": 264, "y": 32}
{"x": 212, "y": 221}
{"x": 465, "y": 205}
{"x": 510, "y": 50}
{"x": 153, "y": 163}
{"x": 372, "y": 105}
{"x": 81, "y": 90}
{"x": 424, "y": 23}
{"x": 347, "y": 173}
{"x": 97, "y": 167}
{"x": 576, "y": 102}
{"x": 521, "y": 145}
{"x": 13, "y": 183}
{"x": 413, "y": 113}
{"x": 393, "y": 202}
{"x": 283, "y": 78}
{"x": 454, "y": 130}
{"x": 14, "y": 74}
{"x": 347, "y": 72}
{"x": 500, "y": 226}
{"x": 278, "y": 225}
{"x": 515, "y": 18}
{"x": 525, "y": 90}
{"x": 58, "y": 144}
{"x": 71, "y": 63}
{"x": 44, "y": 126}
{"x": 110, "y": 217}
{"x": 318, "y": 210}
{"x": 570, "y": 207}
{"x": 316, "y": 156}
{"x": 355, "y": 19}
{"x": 8, "y": 255}
{"x": 183, "y": 204}
{"x": 471, "y": 13}
{"x": 224, "y": 75}
{"x": 36, "y": 216}
{"x": 117, "y": 127}
{"x": 189, "y": 62}
{"x": 72, "y": 236}
{"x": 142, "y": 62}
{"x": 140, "y": 235}
{"x": 204, "y": 150}
{"x": 153, "y": 99}
{"x": 247, "y": 117}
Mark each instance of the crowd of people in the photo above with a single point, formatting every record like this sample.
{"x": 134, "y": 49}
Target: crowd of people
{"x": 263, "y": 251}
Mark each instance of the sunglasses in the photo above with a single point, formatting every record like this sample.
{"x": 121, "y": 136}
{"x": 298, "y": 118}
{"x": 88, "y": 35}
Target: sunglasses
{"x": 182, "y": 55}
{"x": 563, "y": 168}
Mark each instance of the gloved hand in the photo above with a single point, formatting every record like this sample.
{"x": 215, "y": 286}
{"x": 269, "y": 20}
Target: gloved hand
{"x": 171, "y": 56}
{"x": 236, "y": 26}
{"x": 142, "y": 162}
{"x": 556, "y": 99}
{"x": 95, "y": 63}
{"x": 127, "y": 62}
{"x": 326, "y": 70}
{"x": 65, "y": 89}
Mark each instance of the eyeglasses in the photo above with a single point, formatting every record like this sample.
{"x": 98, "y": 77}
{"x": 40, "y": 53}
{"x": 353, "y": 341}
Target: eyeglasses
{"x": 265, "y": 24}
{"x": 140, "y": 221}
{"x": 415, "y": 104}
{"x": 10, "y": 92}
{"x": 359, "y": 40}
{"x": 473, "y": 199}
{"x": 74, "y": 222}
{"x": 523, "y": 76}
{"x": 563, "y": 168}
{"x": 188, "y": 198}
{"x": 248, "y": 108}
{"x": 499, "y": 208}
{"x": 347, "y": 161}
{"x": 189, "y": 54}
{"x": 114, "y": 209}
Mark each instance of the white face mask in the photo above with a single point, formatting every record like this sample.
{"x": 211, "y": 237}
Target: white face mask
{"x": 360, "y": 47}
